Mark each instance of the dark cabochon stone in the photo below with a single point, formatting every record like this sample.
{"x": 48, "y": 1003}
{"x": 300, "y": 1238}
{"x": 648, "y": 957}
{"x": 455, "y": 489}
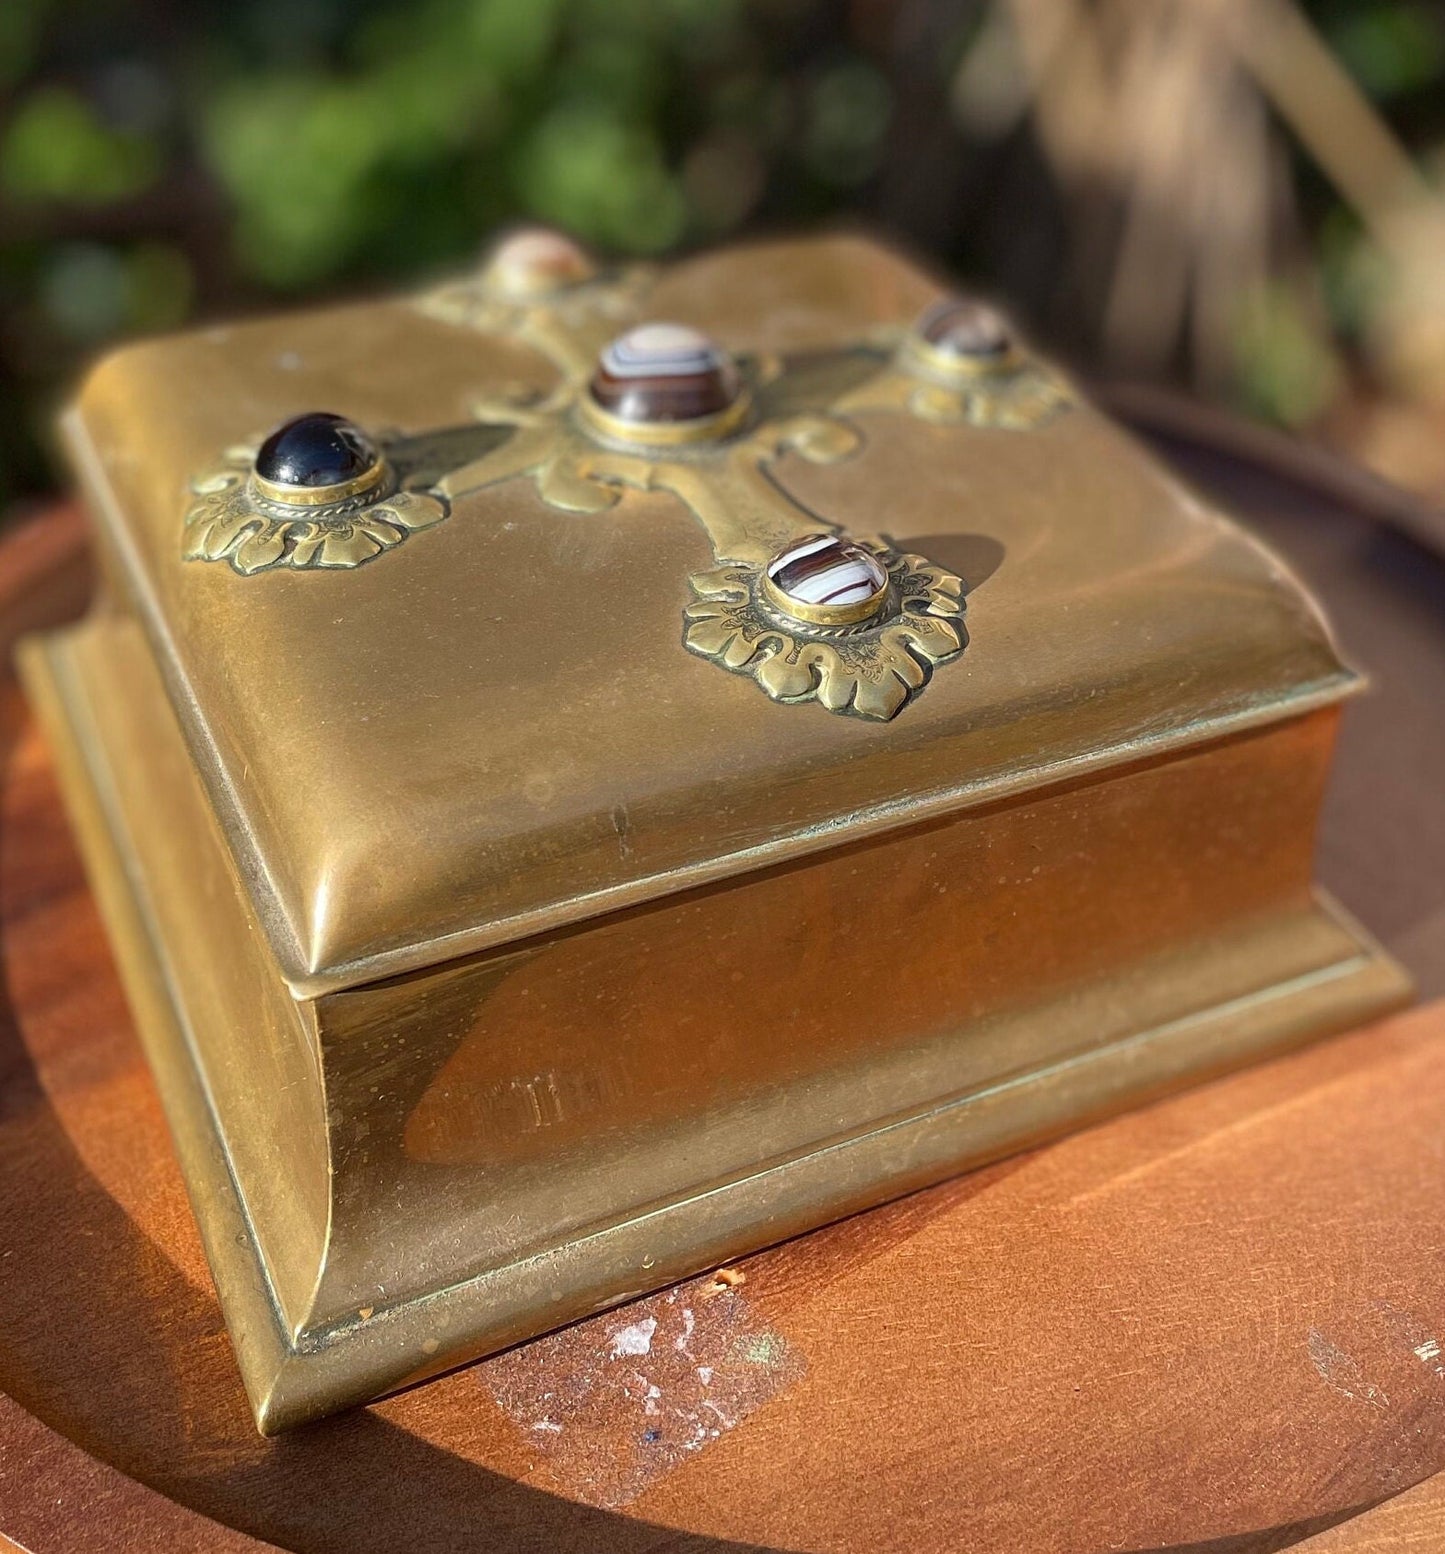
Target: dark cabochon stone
{"x": 969, "y": 330}
{"x": 664, "y": 372}
{"x": 826, "y": 570}
{"x": 317, "y": 449}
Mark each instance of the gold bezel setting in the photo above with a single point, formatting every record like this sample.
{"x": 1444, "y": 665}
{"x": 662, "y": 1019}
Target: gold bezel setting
{"x": 284, "y": 494}
{"x": 850, "y": 614}
{"x": 231, "y": 517}
{"x": 952, "y": 368}
{"x": 664, "y": 434}
{"x": 1010, "y": 390}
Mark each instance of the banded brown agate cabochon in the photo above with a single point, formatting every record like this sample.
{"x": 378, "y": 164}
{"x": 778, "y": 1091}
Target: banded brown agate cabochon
{"x": 826, "y": 570}
{"x": 964, "y": 328}
{"x": 664, "y": 372}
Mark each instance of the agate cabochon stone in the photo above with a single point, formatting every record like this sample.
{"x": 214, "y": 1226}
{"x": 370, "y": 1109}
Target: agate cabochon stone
{"x": 664, "y": 372}
{"x": 314, "y": 450}
{"x": 534, "y": 262}
{"x": 965, "y": 330}
{"x": 825, "y": 570}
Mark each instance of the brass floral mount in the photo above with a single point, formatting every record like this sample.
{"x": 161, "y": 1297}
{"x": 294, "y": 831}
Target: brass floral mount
{"x": 869, "y": 671}
{"x": 1017, "y": 393}
{"x": 234, "y": 517}
{"x": 808, "y": 613}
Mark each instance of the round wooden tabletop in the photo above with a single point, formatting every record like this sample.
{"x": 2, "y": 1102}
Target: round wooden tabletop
{"x": 1215, "y": 1324}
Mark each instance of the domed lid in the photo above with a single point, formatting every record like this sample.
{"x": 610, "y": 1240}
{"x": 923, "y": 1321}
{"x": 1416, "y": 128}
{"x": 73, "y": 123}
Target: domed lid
{"x": 495, "y": 728}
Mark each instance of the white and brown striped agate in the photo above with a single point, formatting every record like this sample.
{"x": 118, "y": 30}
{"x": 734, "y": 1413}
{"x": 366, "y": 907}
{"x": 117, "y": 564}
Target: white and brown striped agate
{"x": 664, "y": 372}
{"x": 535, "y": 262}
{"x": 964, "y": 329}
{"x": 827, "y": 571}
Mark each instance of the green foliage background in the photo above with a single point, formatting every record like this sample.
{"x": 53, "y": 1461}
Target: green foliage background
{"x": 162, "y": 160}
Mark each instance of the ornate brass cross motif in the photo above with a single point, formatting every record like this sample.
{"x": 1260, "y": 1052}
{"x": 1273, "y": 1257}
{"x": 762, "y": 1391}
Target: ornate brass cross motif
{"x": 957, "y": 365}
{"x": 581, "y": 462}
{"x": 868, "y": 670}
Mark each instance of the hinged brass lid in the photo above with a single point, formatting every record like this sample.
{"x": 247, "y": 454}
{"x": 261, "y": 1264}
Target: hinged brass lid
{"x": 517, "y": 714}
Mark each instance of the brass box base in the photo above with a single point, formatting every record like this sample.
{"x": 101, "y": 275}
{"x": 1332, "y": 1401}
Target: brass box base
{"x": 394, "y": 1179}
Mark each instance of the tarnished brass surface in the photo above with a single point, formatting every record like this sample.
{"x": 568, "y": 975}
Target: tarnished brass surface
{"x": 500, "y": 959}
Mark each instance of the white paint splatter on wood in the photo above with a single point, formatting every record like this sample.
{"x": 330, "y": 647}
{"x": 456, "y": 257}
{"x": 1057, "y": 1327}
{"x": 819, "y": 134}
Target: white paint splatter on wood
{"x": 636, "y": 1339}
{"x": 690, "y": 1374}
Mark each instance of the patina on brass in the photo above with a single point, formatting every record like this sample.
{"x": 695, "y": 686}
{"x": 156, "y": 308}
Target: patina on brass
{"x": 865, "y": 662}
{"x": 566, "y": 312}
{"x": 500, "y": 959}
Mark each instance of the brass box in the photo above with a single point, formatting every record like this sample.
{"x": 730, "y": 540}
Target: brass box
{"x": 522, "y": 909}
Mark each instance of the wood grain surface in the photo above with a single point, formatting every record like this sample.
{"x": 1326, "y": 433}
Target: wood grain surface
{"x": 1216, "y": 1324}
